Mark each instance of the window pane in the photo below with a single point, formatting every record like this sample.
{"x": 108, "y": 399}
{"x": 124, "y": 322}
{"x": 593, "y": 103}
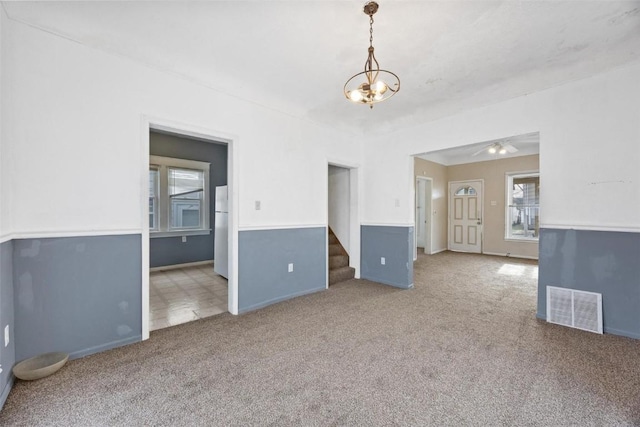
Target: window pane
{"x": 185, "y": 213}
{"x": 153, "y": 182}
{"x": 466, "y": 190}
{"x": 186, "y": 183}
{"x": 525, "y": 221}
{"x": 153, "y": 193}
{"x": 152, "y": 211}
{"x": 526, "y": 191}
{"x": 186, "y": 190}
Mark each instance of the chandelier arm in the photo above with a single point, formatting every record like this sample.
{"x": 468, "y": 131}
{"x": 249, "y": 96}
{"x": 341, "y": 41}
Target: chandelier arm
{"x": 367, "y": 68}
{"x": 377, "y": 69}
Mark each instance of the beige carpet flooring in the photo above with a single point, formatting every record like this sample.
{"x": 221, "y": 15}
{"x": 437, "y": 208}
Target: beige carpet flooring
{"x": 462, "y": 348}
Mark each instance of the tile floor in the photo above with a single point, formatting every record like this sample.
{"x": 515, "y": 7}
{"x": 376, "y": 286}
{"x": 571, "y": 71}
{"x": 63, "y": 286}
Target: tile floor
{"x": 185, "y": 294}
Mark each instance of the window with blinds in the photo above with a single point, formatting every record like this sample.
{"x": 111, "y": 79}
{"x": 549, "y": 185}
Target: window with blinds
{"x": 523, "y": 206}
{"x": 178, "y": 196}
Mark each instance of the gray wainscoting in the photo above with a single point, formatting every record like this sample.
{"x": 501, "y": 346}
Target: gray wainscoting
{"x": 80, "y": 295}
{"x": 597, "y": 261}
{"x": 8, "y": 353}
{"x": 171, "y": 250}
{"x": 394, "y": 244}
{"x": 264, "y": 256}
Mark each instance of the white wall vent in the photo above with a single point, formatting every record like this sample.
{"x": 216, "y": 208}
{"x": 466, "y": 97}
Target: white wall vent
{"x": 573, "y": 308}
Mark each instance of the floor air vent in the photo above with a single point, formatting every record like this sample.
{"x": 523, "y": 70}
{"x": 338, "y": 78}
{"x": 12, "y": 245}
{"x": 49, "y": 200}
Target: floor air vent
{"x": 573, "y": 308}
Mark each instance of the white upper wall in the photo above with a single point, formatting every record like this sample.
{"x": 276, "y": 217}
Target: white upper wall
{"x": 74, "y": 134}
{"x": 4, "y": 215}
{"x": 589, "y": 152}
{"x": 71, "y": 144}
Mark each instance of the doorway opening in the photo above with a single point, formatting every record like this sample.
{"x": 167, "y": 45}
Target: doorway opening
{"x": 423, "y": 214}
{"x": 343, "y": 230}
{"x": 485, "y": 197}
{"x": 189, "y": 241}
{"x": 187, "y": 229}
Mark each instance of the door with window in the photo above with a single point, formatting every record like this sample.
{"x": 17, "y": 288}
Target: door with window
{"x": 465, "y": 216}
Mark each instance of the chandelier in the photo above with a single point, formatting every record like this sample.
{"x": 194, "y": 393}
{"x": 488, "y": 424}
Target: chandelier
{"x": 372, "y": 85}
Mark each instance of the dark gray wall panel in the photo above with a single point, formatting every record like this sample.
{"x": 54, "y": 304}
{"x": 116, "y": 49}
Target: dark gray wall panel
{"x": 597, "y": 261}
{"x": 171, "y": 250}
{"x": 395, "y": 245}
{"x": 80, "y": 295}
{"x": 7, "y": 354}
{"x": 264, "y": 256}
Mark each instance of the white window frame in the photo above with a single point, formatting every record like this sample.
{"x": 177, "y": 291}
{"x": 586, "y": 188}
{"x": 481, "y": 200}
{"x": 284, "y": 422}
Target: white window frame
{"x": 164, "y": 229}
{"x": 507, "y": 214}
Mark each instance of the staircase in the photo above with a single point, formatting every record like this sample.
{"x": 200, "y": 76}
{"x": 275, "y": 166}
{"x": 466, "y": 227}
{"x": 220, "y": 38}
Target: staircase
{"x": 339, "y": 269}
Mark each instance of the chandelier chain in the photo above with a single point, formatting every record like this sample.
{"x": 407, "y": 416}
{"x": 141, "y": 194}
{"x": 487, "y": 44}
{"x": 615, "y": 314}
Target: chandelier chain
{"x": 370, "y": 30}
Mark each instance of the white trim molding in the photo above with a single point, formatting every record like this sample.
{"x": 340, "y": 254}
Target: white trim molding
{"x": 342, "y": 164}
{"x": 184, "y": 265}
{"x": 67, "y": 233}
{"x": 510, "y": 255}
{"x": 379, "y": 224}
{"x": 278, "y": 227}
{"x": 523, "y": 240}
{"x": 587, "y": 227}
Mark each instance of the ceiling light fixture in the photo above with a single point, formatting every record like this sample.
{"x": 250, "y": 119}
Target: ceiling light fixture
{"x": 374, "y": 88}
{"x": 497, "y": 148}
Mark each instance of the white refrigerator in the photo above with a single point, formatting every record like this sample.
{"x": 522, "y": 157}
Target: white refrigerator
{"x": 221, "y": 232}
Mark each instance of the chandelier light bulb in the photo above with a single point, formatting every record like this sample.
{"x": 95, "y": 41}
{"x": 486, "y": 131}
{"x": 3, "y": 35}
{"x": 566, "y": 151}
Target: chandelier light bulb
{"x": 492, "y": 150}
{"x": 503, "y": 151}
{"x": 355, "y": 95}
{"x": 380, "y": 87}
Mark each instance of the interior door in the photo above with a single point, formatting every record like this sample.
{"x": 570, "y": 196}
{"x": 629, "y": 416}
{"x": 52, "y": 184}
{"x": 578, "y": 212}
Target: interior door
{"x": 465, "y": 216}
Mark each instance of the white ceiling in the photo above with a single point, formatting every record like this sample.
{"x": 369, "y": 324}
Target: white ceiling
{"x": 294, "y": 56}
{"x": 525, "y": 145}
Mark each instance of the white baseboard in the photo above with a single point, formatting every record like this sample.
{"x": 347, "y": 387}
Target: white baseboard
{"x": 186, "y": 264}
{"x": 510, "y": 255}
{"x": 437, "y": 251}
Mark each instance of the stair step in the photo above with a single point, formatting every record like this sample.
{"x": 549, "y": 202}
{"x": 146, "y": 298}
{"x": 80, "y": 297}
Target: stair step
{"x": 333, "y": 239}
{"x": 335, "y": 249}
{"x": 341, "y": 274}
{"x": 338, "y": 261}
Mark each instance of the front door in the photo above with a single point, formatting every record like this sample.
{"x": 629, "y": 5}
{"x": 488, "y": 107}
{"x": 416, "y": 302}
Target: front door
{"x": 465, "y": 216}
